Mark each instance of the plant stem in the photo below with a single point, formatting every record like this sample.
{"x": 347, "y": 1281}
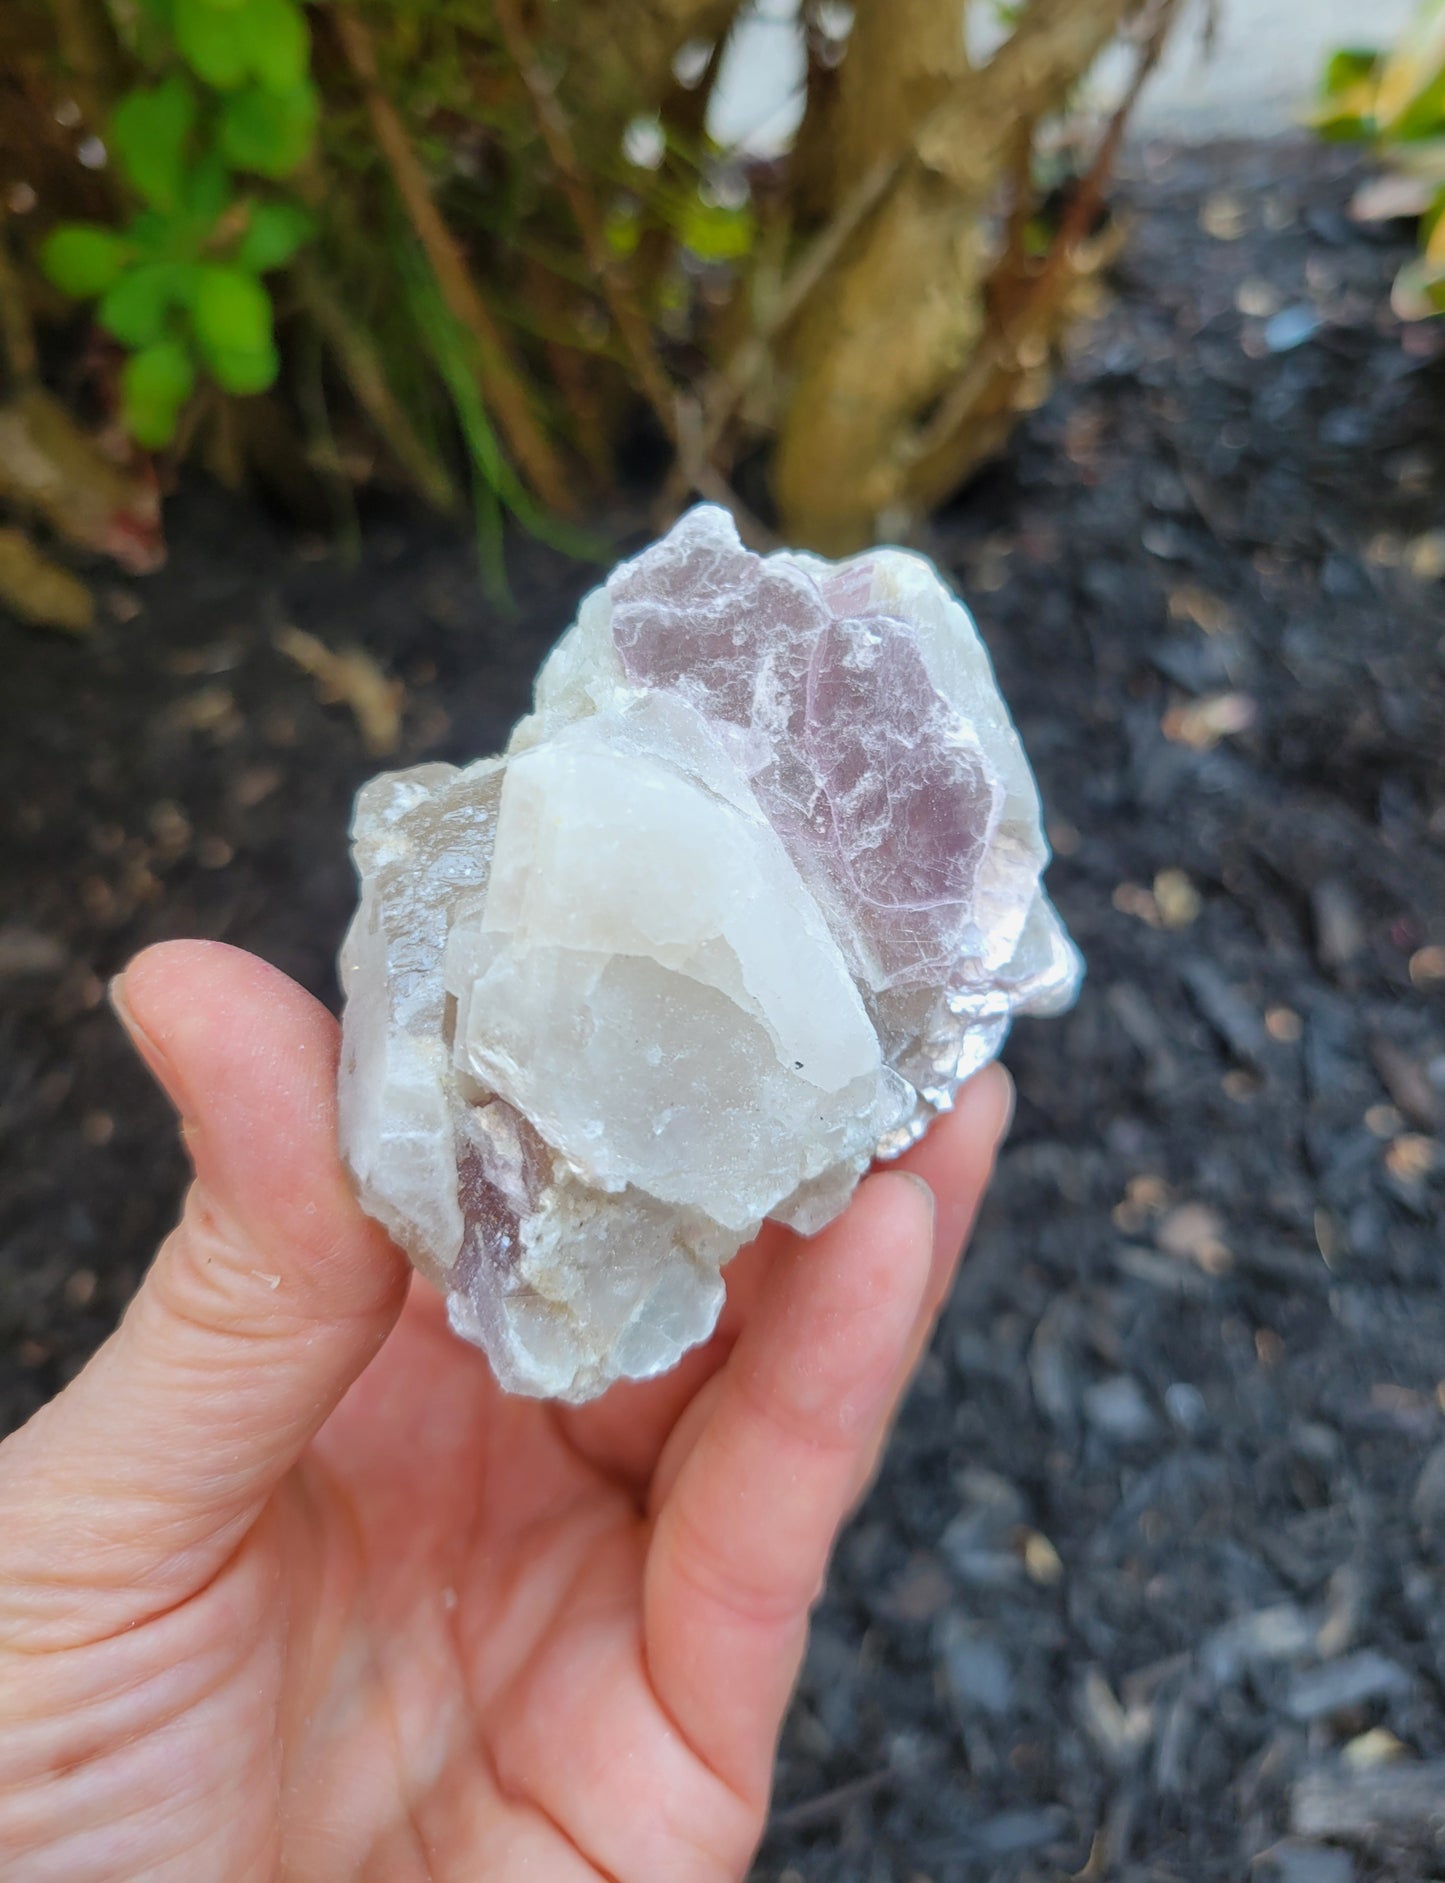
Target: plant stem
{"x": 1039, "y": 299}
{"x": 17, "y": 335}
{"x": 360, "y": 360}
{"x": 499, "y": 373}
{"x": 629, "y": 319}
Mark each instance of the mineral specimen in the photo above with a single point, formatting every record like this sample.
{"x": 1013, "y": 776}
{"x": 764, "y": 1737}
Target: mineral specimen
{"x": 749, "y": 894}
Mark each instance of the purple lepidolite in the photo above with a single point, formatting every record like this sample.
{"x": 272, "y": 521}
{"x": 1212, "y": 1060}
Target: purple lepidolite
{"x": 750, "y": 892}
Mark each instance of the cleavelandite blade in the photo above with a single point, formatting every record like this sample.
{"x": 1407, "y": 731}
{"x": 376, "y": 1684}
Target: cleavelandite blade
{"x": 749, "y": 894}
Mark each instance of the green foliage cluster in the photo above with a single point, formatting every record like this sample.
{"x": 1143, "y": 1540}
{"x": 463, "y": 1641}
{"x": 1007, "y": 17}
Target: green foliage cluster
{"x": 180, "y": 287}
{"x": 1395, "y": 101}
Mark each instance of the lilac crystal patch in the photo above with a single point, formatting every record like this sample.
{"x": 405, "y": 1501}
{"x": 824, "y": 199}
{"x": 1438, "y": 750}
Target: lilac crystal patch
{"x": 878, "y": 786}
{"x": 751, "y": 891}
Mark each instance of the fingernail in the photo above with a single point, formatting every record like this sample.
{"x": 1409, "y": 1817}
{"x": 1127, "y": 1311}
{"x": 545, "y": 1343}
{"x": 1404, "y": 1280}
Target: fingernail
{"x": 912, "y": 1177}
{"x": 1010, "y": 1103}
{"x": 147, "y": 1046}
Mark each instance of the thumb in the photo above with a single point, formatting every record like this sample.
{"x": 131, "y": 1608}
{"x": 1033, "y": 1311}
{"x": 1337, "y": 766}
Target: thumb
{"x": 261, "y": 1308}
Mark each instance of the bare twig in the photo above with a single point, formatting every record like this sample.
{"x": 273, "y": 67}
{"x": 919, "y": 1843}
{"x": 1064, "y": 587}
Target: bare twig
{"x": 17, "y": 335}
{"x": 361, "y": 361}
{"x": 725, "y": 392}
{"x": 616, "y": 284}
{"x": 629, "y": 319}
{"x": 1044, "y": 290}
{"x": 499, "y": 373}
{"x": 822, "y": 1809}
{"x": 87, "y": 52}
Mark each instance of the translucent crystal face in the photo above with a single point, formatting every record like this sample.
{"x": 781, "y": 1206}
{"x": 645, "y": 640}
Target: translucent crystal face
{"x": 750, "y": 892}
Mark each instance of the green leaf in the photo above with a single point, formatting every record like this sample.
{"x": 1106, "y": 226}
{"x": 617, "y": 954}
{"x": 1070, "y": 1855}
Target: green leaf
{"x": 152, "y": 426}
{"x": 135, "y": 309}
{"x": 273, "y": 235}
{"x": 231, "y": 313}
{"x": 163, "y": 373}
{"x": 208, "y": 189}
{"x": 235, "y": 371}
{"x": 1348, "y": 67}
{"x": 1409, "y": 92}
{"x": 155, "y": 383}
{"x": 269, "y": 132}
{"x": 151, "y": 232}
{"x": 278, "y": 43}
{"x": 717, "y": 234}
{"x": 83, "y": 259}
{"x": 1424, "y": 117}
{"x": 150, "y": 132}
{"x": 214, "y": 42}
{"x": 1333, "y": 126}
{"x": 623, "y": 230}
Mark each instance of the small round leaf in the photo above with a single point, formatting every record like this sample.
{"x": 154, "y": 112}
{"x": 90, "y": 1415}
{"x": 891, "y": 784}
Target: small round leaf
{"x": 162, "y": 374}
{"x": 151, "y": 131}
{"x": 135, "y": 309}
{"x": 269, "y": 132}
{"x": 273, "y": 235}
{"x": 154, "y": 384}
{"x": 278, "y": 42}
{"x": 245, "y": 372}
{"x": 208, "y": 188}
{"x": 83, "y": 259}
{"x": 214, "y": 42}
{"x": 152, "y": 426}
{"x": 231, "y": 313}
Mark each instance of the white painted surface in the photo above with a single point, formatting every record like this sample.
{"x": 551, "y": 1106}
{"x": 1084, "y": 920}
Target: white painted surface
{"x": 1264, "y": 67}
{"x": 1266, "y": 63}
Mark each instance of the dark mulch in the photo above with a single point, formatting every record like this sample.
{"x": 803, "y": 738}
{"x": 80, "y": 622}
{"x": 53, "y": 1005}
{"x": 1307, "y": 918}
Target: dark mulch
{"x": 1153, "y": 1584}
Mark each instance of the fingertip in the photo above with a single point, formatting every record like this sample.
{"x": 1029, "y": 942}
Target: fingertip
{"x": 177, "y": 999}
{"x": 930, "y": 1201}
{"x": 906, "y": 1235}
{"x": 997, "y": 1099}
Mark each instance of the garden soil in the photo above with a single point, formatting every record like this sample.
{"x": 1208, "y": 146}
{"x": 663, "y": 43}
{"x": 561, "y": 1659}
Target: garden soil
{"x": 1152, "y": 1584}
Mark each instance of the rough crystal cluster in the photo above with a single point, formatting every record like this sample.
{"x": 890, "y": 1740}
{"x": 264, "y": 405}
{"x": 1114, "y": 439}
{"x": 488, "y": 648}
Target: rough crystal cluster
{"x": 748, "y": 895}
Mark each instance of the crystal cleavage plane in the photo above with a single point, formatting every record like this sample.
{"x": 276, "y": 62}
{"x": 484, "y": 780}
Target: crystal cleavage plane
{"x": 749, "y": 894}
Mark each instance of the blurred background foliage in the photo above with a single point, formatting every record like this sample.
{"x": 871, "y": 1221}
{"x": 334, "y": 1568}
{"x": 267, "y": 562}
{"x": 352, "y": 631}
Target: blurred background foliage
{"x": 482, "y": 248}
{"x": 1394, "y": 100}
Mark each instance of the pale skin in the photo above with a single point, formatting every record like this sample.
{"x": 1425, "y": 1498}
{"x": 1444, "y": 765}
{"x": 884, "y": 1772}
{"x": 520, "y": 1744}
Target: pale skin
{"x": 289, "y": 1589}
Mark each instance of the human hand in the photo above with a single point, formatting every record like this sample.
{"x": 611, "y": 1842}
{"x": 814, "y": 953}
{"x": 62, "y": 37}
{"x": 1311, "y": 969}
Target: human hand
{"x": 289, "y": 1589}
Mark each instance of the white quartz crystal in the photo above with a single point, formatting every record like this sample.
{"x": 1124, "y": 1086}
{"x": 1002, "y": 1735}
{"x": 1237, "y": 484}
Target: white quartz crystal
{"x": 748, "y": 895}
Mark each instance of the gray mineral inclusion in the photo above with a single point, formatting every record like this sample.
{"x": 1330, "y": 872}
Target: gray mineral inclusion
{"x": 746, "y": 898}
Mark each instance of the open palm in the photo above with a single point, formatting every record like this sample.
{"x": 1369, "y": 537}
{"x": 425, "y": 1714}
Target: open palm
{"x": 289, "y": 1589}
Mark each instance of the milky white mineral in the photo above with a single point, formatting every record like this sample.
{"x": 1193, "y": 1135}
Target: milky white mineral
{"x": 748, "y": 895}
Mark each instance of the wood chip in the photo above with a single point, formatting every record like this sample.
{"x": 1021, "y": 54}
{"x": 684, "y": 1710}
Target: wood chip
{"x": 209, "y": 709}
{"x": 350, "y": 677}
{"x": 39, "y": 590}
{"x": 1283, "y": 1024}
{"x": 1194, "y": 1232}
{"x": 1367, "y": 1752}
{"x": 1257, "y": 298}
{"x": 1425, "y": 556}
{"x": 1192, "y": 603}
{"x": 1356, "y": 1806}
{"x": 26, "y": 951}
{"x": 1391, "y": 199}
{"x": 1223, "y": 216}
{"x": 1203, "y": 723}
{"x": 1412, "y": 1157}
{"x": 1176, "y": 899}
{"x": 1042, "y": 1560}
